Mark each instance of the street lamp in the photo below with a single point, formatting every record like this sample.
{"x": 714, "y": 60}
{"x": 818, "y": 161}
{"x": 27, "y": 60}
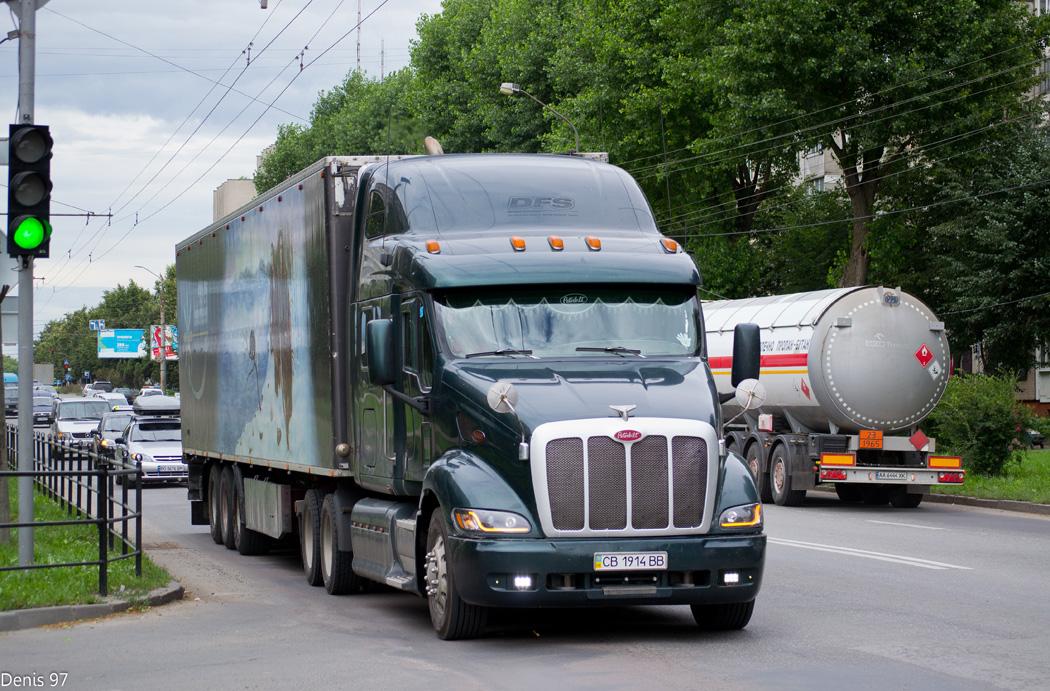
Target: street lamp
{"x": 509, "y": 89}
{"x": 163, "y": 334}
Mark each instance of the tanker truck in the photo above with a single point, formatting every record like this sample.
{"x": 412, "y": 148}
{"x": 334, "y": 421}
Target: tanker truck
{"x": 849, "y": 375}
{"x": 477, "y": 378}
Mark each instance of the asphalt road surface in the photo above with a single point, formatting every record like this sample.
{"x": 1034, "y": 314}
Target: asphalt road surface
{"x": 854, "y": 597}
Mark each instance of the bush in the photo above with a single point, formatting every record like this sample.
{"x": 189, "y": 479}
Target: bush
{"x": 979, "y": 419}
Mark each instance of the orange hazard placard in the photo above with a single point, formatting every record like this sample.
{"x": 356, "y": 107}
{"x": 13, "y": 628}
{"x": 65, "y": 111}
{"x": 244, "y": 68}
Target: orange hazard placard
{"x": 870, "y": 439}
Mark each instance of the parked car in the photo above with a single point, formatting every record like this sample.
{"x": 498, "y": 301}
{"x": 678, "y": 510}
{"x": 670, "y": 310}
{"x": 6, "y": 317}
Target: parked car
{"x": 1036, "y": 438}
{"x": 110, "y": 428}
{"x": 42, "y": 410}
{"x": 151, "y": 391}
{"x": 72, "y": 420}
{"x": 152, "y": 441}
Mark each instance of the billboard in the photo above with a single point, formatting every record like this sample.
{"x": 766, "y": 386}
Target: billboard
{"x": 171, "y": 342}
{"x": 121, "y": 343}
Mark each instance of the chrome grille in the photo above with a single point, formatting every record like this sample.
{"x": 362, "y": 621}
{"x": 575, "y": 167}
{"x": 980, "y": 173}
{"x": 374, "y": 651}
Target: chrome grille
{"x": 658, "y": 483}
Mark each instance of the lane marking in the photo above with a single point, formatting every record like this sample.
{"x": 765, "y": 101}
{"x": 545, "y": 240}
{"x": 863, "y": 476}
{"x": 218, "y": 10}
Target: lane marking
{"x": 907, "y": 525}
{"x": 880, "y": 556}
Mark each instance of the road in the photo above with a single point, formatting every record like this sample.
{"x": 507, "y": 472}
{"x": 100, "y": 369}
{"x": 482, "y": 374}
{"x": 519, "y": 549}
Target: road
{"x": 855, "y": 597}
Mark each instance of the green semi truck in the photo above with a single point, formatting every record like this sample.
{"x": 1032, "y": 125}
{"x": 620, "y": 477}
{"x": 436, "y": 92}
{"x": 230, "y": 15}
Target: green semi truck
{"x": 479, "y": 378}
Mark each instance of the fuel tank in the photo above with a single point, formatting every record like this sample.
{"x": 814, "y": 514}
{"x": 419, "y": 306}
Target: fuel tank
{"x": 838, "y": 360}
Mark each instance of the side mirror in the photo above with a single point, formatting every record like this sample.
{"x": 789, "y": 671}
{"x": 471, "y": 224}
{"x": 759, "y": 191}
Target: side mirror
{"x": 120, "y": 440}
{"x": 379, "y": 344}
{"x": 747, "y": 353}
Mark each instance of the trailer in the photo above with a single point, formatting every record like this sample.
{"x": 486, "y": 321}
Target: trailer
{"x": 477, "y": 378}
{"x": 850, "y": 374}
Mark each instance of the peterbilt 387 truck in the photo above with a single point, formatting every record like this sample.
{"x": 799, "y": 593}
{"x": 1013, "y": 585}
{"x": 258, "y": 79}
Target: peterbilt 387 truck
{"x": 478, "y": 378}
{"x": 849, "y": 374}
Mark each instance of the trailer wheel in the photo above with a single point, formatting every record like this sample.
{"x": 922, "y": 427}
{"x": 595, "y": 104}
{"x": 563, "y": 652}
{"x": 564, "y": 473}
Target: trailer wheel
{"x": 900, "y": 498}
{"x": 754, "y": 463}
{"x": 723, "y": 616}
{"x": 336, "y": 567}
{"x": 227, "y": 514}
{"x": 850, "y": 494}
{"x": 453, "y": 619}
{"x": 215, "y": 503}
{"x": 245, "y": 540}
{"x": 310, "y": 537}
{"x": 780, "y": 481}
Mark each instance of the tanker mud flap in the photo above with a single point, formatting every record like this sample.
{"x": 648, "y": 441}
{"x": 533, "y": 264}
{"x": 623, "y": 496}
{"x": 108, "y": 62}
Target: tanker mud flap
{"x": 384, "y": 542}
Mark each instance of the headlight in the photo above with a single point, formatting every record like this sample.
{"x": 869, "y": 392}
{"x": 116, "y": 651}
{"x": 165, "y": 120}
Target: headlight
{"x": 746, "y": 516}
{"x": 482, "y": 521}
{"x": 142, "y": 457}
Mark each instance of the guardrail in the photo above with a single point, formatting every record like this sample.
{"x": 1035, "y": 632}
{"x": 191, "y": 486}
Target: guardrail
{"x": 93, "y": 491}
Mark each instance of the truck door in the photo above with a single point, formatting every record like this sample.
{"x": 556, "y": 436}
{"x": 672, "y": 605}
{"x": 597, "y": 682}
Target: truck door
{"x": 373, "y": 413}
{"x": 417, "y": 367}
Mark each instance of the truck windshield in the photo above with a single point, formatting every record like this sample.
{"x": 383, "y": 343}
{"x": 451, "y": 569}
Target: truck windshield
{"x": 586, "y": 323}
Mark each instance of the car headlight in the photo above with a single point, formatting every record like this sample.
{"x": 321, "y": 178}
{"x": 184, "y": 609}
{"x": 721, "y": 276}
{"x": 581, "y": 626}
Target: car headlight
{"x": 485, "y": 521}
{"x": 142, "y": 458}
{"x": 745, "y": 516}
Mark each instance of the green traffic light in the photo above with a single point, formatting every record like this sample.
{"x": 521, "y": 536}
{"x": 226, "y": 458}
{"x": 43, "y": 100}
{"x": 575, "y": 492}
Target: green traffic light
{"x": 30, "y": 232}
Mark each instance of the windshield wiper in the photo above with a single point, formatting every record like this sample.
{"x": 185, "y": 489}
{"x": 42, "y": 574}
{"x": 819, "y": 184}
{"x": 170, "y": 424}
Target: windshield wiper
{"x": 504, "y": 351}
{"x": 619, "y": 350}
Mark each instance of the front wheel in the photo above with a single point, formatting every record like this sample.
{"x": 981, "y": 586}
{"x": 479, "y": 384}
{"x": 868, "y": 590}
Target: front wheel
{"x": 780, "y": 481}
{"x": 453, "y": 618}
{"x": 724, "y": 616}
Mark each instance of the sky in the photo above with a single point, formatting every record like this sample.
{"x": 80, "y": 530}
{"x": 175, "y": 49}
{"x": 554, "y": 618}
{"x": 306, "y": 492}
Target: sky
{"x": 152, "y": 105}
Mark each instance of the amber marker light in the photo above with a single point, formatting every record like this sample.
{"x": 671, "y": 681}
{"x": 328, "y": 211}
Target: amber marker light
{"x": 593, "y": 243}
{"x": 433, "y": 247}
{"x": 518, "y": 243}
{"x": 670, "y": 246}
{"x": 556, "y": 243}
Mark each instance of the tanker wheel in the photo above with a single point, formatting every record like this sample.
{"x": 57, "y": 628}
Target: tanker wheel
{"x": 215, "y": 503}
{"x": 453, "y": 618}
{"x": 724, "y": 616}
{"x": 902, "y": 499}
{"x": 876, "y": 495}
{"x": 754, "y": 464}
{"x": 780, "y": 481}
{"x": 310, "y": 537}
{"x": 851, "y": 494}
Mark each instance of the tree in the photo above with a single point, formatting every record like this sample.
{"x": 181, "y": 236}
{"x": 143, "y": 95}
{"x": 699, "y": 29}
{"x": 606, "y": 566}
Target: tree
{"x": 360, "y": 116}
{"x": 876, "y": 82}
{"x": 992, "y": 258}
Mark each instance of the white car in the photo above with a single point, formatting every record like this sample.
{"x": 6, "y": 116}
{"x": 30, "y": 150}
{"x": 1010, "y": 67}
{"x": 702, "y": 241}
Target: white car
{"x": 113, "y": 399}
{"x": 72, "y": 420}
{"x": 152, "y": 442}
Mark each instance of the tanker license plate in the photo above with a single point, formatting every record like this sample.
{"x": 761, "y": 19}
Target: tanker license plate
{"x": 630, "y": 561}
{"x": 891, "y": 475}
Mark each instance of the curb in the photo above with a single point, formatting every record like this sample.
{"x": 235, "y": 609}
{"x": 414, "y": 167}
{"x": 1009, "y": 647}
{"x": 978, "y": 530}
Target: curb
{"x": 14, "y": 620}
{"x": 1000, "y": 504}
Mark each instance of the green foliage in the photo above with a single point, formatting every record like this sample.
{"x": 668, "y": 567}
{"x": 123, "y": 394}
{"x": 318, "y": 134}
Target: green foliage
{"x": 978, "y": 419}
{"x": 66, "y": 584}
{"x": 10, "y": 364}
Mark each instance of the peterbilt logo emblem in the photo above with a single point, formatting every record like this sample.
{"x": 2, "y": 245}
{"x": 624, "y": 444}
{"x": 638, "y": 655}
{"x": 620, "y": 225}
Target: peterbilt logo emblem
{"x": 628, "y": 435}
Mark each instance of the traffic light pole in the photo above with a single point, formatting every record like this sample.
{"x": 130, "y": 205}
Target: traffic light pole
{"x": 26, "y": 112}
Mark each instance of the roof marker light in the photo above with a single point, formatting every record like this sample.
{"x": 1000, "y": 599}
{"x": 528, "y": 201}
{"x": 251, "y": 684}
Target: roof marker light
{"x": 518, "y": 243}
{"x": 593, "y": 243}
{"x": 433, "y": 247}
{"x": 670, "y": 246}
{"x": 556, "y": 243}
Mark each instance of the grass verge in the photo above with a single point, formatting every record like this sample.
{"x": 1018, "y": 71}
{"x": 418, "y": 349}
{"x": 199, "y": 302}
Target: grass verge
{"x": 1028, "y": 480}
{"x": 67, "y": 585}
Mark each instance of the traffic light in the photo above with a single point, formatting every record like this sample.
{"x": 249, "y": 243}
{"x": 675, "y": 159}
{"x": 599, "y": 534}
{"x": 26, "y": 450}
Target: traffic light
{"x": 29, "y": 191}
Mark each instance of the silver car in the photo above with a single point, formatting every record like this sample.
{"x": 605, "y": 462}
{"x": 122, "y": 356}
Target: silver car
{"x": 154, "y": 445}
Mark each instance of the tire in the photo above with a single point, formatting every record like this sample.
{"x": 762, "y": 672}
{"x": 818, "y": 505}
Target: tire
{"x": 245, "y": 540}
{"x": 215, "y": 503}
{"x": 227, "y": 514}
{"x": 876, "y": 495}
{"x": 336, "y": 566}
{"x": 780, "y": 481}
{"x": 453, "y": 619}
{"x": 310, "y": 537}
{"x": 900, "y": 498}
{"x": 723, "y": 617}
{"x": 754, "y": 463}
{"x": 850, "y": 494}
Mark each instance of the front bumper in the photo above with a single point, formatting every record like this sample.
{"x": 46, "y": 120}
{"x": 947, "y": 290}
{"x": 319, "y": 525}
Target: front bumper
{"x": 562, "y": 571}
